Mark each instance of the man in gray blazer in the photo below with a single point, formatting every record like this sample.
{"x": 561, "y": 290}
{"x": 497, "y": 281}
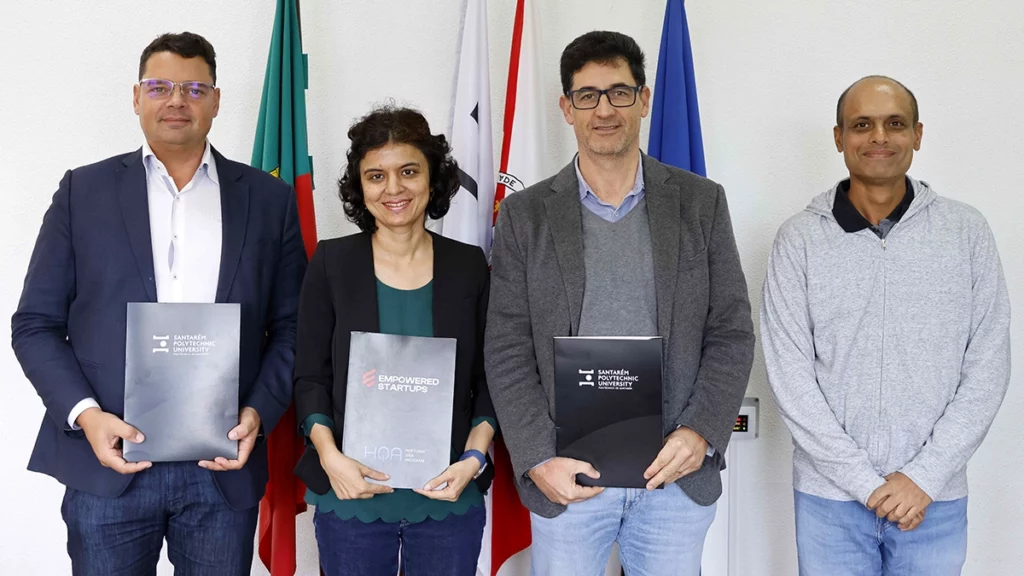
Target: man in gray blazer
{"x": 618, "y": 244}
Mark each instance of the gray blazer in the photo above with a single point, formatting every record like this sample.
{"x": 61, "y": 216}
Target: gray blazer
{"x": 537, "y": 285}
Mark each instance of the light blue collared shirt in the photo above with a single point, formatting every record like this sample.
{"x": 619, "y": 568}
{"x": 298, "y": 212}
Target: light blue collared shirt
{"x": 604, "y": 210}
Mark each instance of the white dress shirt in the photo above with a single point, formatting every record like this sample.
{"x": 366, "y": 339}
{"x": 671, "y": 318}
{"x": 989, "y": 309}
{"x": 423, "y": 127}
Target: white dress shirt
{"x": 185, "y": 233}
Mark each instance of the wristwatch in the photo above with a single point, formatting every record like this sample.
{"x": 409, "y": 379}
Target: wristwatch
{"x": 479, "y": 457}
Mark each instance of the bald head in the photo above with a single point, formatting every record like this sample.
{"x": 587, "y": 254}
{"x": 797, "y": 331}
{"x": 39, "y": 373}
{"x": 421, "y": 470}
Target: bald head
{"x": 877, "y": 130}
{"x": 874, "y": 83}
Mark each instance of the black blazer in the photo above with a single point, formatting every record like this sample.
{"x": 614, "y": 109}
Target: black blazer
{"x": 339, "y": 296}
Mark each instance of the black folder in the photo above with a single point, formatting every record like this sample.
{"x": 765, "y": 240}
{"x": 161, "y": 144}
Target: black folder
{"x": 608, "y": 395}
{"x": 181, "y": 380}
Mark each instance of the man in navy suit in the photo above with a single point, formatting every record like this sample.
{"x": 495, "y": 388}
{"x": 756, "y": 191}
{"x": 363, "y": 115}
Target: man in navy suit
{"x": 174, "y": 221}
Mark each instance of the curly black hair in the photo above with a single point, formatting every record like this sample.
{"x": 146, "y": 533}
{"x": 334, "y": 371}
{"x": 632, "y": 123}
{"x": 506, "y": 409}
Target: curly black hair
{"x": 388, "y": 124}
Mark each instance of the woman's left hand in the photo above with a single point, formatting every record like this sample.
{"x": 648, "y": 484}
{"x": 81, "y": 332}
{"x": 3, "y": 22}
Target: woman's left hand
{"x": 458, "y": 476}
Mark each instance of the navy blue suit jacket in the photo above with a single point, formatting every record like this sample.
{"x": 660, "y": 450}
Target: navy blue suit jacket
{"x": 93, "y": 256}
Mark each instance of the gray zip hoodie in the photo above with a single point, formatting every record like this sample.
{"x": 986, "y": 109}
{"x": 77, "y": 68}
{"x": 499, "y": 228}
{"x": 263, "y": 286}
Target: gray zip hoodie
{"x": 886, "y": 355}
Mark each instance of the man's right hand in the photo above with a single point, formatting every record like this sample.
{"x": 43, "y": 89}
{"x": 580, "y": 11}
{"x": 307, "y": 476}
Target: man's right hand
{"x": 913, "y": 523}
{"x": 556, "y": 478}
{"x": 106, "y": 433}
{"x": 348, "y": 477}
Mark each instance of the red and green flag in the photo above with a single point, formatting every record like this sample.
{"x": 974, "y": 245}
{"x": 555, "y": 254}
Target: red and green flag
{"x": 281, "y": 148}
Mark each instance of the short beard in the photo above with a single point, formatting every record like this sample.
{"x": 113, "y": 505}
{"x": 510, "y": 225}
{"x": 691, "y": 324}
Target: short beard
{"x": 627, "y": 145}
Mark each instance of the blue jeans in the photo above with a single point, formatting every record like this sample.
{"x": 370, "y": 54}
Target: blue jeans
{"x": 659, "y": 533}
{"x": 123, "y": 536}
{"x": 847, "y": 539}
{"x": 355, "y": 548}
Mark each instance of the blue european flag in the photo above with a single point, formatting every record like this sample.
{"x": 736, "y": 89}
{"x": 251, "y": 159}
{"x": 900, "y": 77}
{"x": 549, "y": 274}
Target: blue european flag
{"x": 675, "y": 122}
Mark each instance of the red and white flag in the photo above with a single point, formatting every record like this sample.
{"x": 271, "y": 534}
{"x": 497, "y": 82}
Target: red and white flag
{"x": 523, "y": 144}
{"x": 475, "y": 209}
{"x": 523, "y": 164}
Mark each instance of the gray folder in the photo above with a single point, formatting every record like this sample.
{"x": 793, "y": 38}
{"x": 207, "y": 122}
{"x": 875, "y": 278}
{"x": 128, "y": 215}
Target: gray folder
{"x": 181, "y": 380}
{"x": 398, "y": 406}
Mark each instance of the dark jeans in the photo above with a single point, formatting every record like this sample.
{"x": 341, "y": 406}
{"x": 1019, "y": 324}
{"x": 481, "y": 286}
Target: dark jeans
{"x": 123, "y": 536}
{"x": 448, "y": 547}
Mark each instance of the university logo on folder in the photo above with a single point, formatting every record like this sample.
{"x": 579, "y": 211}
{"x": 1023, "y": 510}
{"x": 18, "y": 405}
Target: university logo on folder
{"x": 398, "y": 406}
{"x": 608, "y": 406}
{"x": 181, "y": 380}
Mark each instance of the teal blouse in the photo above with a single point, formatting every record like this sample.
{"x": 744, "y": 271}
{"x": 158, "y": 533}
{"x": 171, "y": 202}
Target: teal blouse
{"x": 407, "y": 313}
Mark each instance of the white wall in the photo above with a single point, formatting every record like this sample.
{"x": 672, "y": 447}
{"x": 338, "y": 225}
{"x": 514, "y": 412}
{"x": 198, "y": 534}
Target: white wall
{"x": 768, "y": 74}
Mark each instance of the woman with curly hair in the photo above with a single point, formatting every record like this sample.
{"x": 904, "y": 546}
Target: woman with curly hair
{"x": 394, "y": 277}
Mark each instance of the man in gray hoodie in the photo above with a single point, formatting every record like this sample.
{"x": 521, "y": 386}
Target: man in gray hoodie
{"x": 885, "y": 325}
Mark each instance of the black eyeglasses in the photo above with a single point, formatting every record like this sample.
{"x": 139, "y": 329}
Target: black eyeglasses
{"x": 589, "y": 98}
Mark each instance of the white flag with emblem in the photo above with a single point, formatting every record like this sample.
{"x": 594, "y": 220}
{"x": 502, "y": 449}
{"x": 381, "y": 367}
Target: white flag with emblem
{"x": 470, "y": 218}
